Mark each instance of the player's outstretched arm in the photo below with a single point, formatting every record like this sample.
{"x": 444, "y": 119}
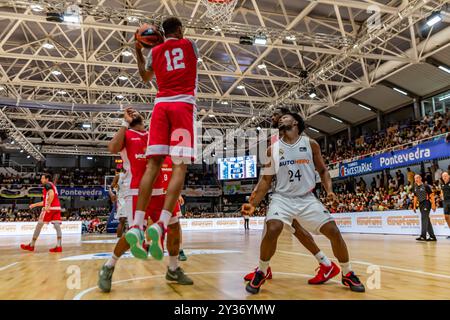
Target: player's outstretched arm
{"x": 146, "y": 74}
{"x": 322, "y": 169}
{"x": 115, "y": 181}
{"x": 118, "y": 141}
{"x": 37, "y": 204}
{"x": 262, "y": 187}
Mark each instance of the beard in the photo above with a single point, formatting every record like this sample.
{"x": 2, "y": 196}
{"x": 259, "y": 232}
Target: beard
{"x": 284, "y": 127}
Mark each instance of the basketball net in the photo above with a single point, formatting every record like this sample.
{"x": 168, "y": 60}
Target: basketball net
{"x": 219, "y": 11}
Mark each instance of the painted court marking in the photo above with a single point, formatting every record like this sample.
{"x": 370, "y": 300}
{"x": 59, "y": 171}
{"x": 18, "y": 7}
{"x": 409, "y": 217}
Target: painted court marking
{"x": 84, "y": 292}
{"x": 127, "y": 255}
{"x": 8, "y": 266}
{"x": 381, "y": 266}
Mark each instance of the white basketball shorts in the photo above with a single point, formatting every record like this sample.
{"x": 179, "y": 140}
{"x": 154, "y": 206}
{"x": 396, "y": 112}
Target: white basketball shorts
{"x": 310, "y": 213}
{"x": 125, "y": 208}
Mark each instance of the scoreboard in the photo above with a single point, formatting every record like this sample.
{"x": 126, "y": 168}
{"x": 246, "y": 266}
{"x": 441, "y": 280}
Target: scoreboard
{"x": 237, "y": 168}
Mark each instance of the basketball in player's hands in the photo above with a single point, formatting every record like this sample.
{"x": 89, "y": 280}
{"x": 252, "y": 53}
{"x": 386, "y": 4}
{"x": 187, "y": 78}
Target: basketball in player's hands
{"x": 148, "y": 36}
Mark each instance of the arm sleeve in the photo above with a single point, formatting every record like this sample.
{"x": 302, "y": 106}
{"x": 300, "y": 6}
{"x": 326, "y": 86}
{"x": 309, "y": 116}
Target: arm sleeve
{"x": 148, "y": 63}
{"x": 194, "y": 46}
{"x": 48, "y": 186}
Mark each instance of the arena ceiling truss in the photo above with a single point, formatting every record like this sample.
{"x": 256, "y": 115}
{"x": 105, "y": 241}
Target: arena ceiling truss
{"x": 64, "y": 86}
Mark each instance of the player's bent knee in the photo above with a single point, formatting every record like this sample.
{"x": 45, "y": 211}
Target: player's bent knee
{"x": 330, "y": 230}
{"x": 273, "y": 228}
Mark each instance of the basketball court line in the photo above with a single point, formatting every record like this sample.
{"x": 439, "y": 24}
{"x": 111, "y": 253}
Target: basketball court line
{"x": 8, "y": 266}
{"x": 374, "y": 264}
{"x": 84, "y": 292}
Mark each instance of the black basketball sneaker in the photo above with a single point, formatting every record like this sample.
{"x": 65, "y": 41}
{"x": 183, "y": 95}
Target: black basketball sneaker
{"x": 257, "y": 281}
{"x": 352, "y": 281}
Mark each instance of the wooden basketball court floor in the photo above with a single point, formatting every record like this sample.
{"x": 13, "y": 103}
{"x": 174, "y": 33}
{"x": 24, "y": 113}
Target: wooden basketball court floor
{"x": 217, "y": 261}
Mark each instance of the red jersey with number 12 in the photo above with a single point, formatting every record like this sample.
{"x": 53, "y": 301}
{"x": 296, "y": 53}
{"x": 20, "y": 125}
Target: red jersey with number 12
{"x": 134, "y": 160}
{"x": 174, "y": 63}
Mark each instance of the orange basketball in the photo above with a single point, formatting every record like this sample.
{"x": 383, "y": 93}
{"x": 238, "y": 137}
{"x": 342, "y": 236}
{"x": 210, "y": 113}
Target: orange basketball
{"x": 149, "y": 36}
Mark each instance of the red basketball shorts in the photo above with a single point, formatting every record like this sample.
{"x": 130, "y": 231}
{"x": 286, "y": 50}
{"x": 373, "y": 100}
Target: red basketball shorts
{"x": 155, "y": 207}
{"x": 172, "y": 130}
{"x": 52, "y": 215}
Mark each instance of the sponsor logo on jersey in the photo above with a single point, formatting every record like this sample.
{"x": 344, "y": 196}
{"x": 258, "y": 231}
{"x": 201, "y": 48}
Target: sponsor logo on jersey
{"x": 302, "y": 149}
{"x": 135, "y": 139}
{"x": 292, "y": 162}
{"x": 281, "y": 152}
{"x": 140, "y": 156}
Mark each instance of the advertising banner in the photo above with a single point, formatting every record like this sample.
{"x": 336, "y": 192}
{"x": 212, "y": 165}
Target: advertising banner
{"x": 354, "y": 168}
{"x": 390, "y": 222}
{"x": 420, "y": 153}
{"x": 34, "y": 192}
{"x": 27, "y": 228}
{"x": 423, "y": 152}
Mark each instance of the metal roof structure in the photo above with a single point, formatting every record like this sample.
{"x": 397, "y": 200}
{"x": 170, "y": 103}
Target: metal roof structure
{"x": 55, "y": 77}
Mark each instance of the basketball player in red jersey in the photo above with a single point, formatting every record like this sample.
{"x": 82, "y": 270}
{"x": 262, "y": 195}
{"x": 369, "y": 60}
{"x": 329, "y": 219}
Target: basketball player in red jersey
{"x": 172, "y": 126}
{"x": 131, "y": 142}
{"x": 51, "y": 212}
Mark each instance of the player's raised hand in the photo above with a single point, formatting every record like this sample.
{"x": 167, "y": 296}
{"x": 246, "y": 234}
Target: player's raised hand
{"x": 128, "y": 114}
{"x": 332, "y": 197}
{"x": 247, "y": 209}
{"x": 137, "y": 44}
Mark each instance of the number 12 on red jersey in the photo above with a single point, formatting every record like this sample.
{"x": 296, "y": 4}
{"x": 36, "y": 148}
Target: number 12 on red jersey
{"x": 174, "y": 59}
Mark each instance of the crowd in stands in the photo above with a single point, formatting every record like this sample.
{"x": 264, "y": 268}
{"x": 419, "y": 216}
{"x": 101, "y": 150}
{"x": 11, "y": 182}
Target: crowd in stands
{"x": 200, "y": 179}
{"x": 383, "y": 193}
{"x": 64, "y": 177}
{"x": 394, "y": 135}
{"x": 7, "y": 214}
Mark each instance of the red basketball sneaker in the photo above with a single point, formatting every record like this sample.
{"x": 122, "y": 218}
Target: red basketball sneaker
{"x": 249, "y": 276}
{"x": 254, "y": 285}
{"x": 27, "y": 247}
{"x": 325, "y": 273}
{"x": 55, "y": 249}
{"x": 352, "y": 281}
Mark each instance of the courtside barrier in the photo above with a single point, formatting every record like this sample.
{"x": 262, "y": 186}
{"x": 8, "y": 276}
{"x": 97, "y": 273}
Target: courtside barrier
{"x": 27, "y": 228}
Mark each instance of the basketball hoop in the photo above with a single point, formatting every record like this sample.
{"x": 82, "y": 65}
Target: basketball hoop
{"x": 219, "y": 11}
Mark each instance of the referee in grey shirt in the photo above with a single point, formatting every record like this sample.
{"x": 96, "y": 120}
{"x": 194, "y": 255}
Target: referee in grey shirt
{"x": 424, "y": 198}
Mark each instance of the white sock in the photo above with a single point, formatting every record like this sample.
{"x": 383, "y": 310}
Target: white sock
{"x": 345, "y": 267}
{"x": 112, "y": 261}
{"x": 323, "y": 259}
{"x": 165, "y": 217}
{"x": 173, "y": 263}
{"x": 263, "y": 265}
{"x": 139, "y": 218}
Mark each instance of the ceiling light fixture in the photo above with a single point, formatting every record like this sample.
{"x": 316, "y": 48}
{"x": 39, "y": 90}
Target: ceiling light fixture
{"x": 48, "y": 45}
{"x": 262, "y": 66}
{"x": 444, "y": 68}
{"x": 434, "y": 18}
{"x": 400, "y": 91}
{"x": 364, "y": 107}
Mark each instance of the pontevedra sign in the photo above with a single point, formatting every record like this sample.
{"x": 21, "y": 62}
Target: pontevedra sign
{"x": 423, "y": 152}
